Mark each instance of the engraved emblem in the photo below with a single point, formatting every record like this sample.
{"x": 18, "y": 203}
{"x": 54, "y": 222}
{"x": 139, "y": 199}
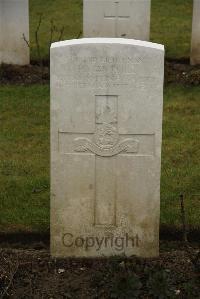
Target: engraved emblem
{"x": 128, "y": 145}
{"x": 106, "y": 136}
{"x": 106, "y": 139}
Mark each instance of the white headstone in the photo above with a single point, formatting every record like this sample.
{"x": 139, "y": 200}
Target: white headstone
{"x": 121, "y": 18}
{"x": 195, "y": 46}
{"x": 106, "y": 132}
{"x": 14, "y": 23}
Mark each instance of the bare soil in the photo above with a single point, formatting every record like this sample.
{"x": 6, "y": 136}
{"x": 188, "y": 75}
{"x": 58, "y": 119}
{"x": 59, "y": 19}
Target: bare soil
{"x": 32, "y": 273}
{"x": 175, "y": 72}
{"x": 24, "y": 75}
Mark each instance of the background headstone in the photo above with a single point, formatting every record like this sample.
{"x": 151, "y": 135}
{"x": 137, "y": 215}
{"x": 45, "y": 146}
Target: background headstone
{"x": 195, "y": 46}
{"x": 14, "y": 23}
{"x": 106, "y": 132}
{"x": 121, "y": 18}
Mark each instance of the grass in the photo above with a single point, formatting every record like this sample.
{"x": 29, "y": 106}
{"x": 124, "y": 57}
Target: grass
{"x": 180, "y": 156}
{"x": 24, "y": 156}
{"x": 171, "y": 25}
{"x": 171, "y": 22}
{"x": 67, "y": 13}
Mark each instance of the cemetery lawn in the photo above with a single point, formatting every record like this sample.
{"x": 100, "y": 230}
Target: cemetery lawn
{"x": 24, "y": 157}
{"x": 169, "y": 19}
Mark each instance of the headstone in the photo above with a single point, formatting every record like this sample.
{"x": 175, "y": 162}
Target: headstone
{"x": 121, "y": 18}
{"x": 14, "y": 30}
{"x": 195, "y": 47}
{"x": 106, "y": 132}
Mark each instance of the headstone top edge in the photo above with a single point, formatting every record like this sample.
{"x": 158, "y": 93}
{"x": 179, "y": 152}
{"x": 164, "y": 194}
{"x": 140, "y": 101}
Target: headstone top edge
{"x": 104, "y": 40}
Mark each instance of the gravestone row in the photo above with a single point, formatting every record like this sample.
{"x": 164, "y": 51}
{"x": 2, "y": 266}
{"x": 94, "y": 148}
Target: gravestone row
{"x": 101, "y": 18}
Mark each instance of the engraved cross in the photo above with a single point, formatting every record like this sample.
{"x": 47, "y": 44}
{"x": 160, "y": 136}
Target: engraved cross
{"x": 116, "y": 17}
{"x": 107, "y": 145}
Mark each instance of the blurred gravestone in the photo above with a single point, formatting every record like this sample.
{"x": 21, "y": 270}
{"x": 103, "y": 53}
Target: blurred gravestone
{"x": 122, "y": 18}
{"x": 14, "y": 24}
{"x": 106, "y": 132}
{"x": 195, "y": 46}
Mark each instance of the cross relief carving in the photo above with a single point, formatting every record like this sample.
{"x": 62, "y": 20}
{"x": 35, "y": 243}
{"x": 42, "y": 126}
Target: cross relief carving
{"x": 116, "y": 16}
{"x": 107, "y": 145}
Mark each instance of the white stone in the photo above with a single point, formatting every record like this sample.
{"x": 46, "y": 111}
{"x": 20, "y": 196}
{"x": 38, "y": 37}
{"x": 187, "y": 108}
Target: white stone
{"x": 195, "y": 46}
{"x": 122, "y": 18}
{"x": 106, "y": 132}
{"x": 14, "y": 23}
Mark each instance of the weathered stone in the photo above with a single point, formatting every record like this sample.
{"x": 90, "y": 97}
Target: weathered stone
{"x": 122, "y": 18}
{"x": 106, "y": 131}
{"x": 195, "y": 46}
{"x": 14, "y": 30}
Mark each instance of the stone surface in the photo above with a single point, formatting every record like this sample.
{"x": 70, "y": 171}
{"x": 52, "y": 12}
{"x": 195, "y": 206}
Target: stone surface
{"x": 106, "y": 132}
{"x": 14, "y": 22}
{"x": 122, "y": 18}
{"x": 195, "y": 46}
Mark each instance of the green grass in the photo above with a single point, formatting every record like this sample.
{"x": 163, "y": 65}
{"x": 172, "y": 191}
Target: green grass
{"x": 171, "y": 25}
{"x": 171, "y": 22}
{"x": 67, "y": 13}
{"x": 180, "y": 155}
{"x": 24, "y": 156}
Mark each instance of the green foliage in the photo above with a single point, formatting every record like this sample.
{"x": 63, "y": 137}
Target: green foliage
{"x": 159, "y": 284}
{"x": 136, "y": 278}
{"x": 125, "y": 285}
{"x": 189, "y": 289}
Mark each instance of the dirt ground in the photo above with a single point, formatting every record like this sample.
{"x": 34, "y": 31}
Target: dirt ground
{"x": 24, "y": 75}
{"x": 32, "y": 273}
{"x": 175, "y": 72}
